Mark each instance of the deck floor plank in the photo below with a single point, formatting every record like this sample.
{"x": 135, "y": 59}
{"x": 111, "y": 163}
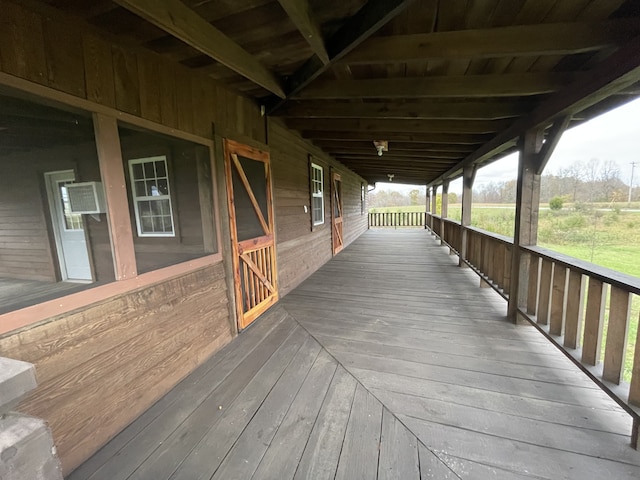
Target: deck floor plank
{"x": 171, "y": 452}
{"x": 398, "y": 451}
{"x": 389, "y": 362}
{"x": 172, "y": 409}
{"x": 322, "y": 451}
{"x": 248, "y": 451}
{"x": 359, "y": 456}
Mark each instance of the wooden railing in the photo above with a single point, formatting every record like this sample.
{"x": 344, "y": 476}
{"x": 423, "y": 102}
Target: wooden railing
{"x": 396, "y": 219}
{"x": 576, "y": 304}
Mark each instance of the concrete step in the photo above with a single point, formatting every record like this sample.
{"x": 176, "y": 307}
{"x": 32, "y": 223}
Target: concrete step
{"x": 17, "y": 379}
{"x": 26, "y": 449}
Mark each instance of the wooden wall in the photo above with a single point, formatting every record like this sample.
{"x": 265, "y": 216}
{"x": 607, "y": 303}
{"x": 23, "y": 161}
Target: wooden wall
{"x": 101, "y": 367}
{"x": 27, "y": 241}
{"x": 300, "y": 251}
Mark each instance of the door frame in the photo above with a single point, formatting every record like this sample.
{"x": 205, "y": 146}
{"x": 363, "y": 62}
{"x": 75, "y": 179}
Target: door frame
{"x": 267, "y": 291}
{"x": 337, "y": 223}
{"x": 56, "y": 223}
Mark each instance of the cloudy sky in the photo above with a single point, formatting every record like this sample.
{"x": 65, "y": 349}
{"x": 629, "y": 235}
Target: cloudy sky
{"x": 614, "y": 135}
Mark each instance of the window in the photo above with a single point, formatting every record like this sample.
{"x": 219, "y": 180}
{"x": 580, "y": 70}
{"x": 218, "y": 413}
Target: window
{"x": 317, "y": 194}
{"x": 362, "y": 198}
{"x": 152, "y": 202}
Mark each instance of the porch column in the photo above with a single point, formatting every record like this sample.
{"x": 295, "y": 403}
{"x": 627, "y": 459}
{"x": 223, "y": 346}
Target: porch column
{"x": 444, "y": 210}
{"x": 433, "y": 205}
{"x": 427, "y": 203}
{"x": 112, "y": 172}
{"x": 468, "y": 177}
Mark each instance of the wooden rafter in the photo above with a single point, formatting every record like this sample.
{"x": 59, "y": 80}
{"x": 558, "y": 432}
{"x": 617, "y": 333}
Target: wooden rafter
{"x": 391, "y": 125}
{"x": 520, "y": 40}
{"x": 505, "y": 85}
{"x": 300, "y": 13}
{"x": 458, "y": 139}
{"x": 427, "y": 109}
{"x": 350, "y": 145}
{"x": 176, "y": 18}
{"x": 370, "y": 18}
{"x": 616, "y": 73}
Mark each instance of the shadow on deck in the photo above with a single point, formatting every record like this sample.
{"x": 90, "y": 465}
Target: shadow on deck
{"x": 388, "y": 363}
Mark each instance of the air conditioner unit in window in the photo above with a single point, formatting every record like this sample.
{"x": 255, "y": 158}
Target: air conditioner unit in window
{"x": 86, "y": 197}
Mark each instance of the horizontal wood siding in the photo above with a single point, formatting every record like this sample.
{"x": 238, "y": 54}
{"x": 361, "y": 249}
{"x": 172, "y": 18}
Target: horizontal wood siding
{"x": 301, "y": 251}
{"x": 101, "y": 367}
{"x": 26, "y": 239}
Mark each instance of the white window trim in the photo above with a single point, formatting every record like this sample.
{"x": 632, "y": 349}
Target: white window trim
{"x": 137, "y": 198}
{"x": 317, "y": 195}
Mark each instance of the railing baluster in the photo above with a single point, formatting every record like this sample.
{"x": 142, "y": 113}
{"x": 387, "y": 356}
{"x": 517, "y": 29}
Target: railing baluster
{"x": 594, "y": 322}
{"x": 532, "y": 297}
{"x": 575, "y": 300}
{"x": 617, "y": 329}
{"x": 557, "y": 300}
{"x": 545, "y": 291}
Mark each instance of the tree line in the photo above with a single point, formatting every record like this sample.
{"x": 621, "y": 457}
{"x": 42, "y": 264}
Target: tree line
{"x": 581, "y": 182}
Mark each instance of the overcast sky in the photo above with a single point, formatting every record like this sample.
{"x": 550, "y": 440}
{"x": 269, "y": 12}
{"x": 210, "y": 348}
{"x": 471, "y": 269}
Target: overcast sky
{"x": 614, "y": 135}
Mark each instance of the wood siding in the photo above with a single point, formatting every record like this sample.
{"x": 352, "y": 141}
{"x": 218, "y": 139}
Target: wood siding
{"x": 26, "y": 239}
{"x": 300, "y": 250}
{"x": 101, "y": 367}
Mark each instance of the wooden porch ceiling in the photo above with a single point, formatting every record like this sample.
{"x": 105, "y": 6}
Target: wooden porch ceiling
{"x": 470, "y": 75}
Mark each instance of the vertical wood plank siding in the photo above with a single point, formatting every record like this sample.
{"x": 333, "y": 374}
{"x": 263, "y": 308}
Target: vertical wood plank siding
{"x": 301, "y": 251}
{"x": 101, "y": 366}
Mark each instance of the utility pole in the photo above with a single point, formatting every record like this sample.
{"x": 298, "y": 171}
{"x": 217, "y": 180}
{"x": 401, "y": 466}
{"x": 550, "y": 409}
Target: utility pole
{"x": 633, "y": 167}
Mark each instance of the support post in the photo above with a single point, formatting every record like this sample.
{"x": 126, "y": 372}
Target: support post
{"x": 427, "y": 204}
{"x": 115, "y": 190}
{"x": 534, "y": 156}
{"x": 433, "y": 206}
{"x": 468, "y": 177}
{"x": 526, "y": 222}
{"x": 444, "y": 210}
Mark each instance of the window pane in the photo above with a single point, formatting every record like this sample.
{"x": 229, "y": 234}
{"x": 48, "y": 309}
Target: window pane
{"x": 137, "y": 171}
{"x": 171, "y": 190}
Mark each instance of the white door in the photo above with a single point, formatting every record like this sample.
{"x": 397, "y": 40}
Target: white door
{"x": 68, "y": 229}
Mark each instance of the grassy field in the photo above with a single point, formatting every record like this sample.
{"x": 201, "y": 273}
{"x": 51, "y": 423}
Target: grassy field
{"x": 597, "y": 234}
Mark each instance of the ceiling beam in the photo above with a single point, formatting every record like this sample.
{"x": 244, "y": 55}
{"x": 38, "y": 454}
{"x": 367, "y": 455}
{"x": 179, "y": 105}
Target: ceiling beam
{"x": 405, "y": 154}
{"x": 366, "y": 21}
{"x": 177, "y": 19}
{"x": 512, "y": 41}
{"x": 503, "y": 85}
{"x": 461, "y": 139}
{"x": 429, "y": 108}
{"x": 300, "y": 13}
{"x": 617, "y": 72}
{"x": 383, "y": 126}
{"x": 345, "y": 145}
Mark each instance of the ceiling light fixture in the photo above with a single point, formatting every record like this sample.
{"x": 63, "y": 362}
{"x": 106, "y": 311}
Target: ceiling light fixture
{"x": 390, "y": 175}
{"x": 381, "y": 146}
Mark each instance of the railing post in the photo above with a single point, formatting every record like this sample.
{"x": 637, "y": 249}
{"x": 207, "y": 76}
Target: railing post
{"x": 444, "y": 210}
{"x": 468, "y": 177}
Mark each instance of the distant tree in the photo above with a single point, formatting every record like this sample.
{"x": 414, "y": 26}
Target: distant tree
{"x": 556, "y": 203}
{"x": 414, "y": 196}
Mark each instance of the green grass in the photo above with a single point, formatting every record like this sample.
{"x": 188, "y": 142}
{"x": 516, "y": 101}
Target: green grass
{"x": 608, "y": 238}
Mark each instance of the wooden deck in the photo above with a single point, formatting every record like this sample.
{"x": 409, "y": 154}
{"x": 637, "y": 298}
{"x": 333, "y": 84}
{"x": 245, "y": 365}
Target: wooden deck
{"x": 390, "y": 363}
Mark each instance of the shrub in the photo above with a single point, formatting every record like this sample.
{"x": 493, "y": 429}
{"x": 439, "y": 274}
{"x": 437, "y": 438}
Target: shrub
{"x": 556, "y": 203}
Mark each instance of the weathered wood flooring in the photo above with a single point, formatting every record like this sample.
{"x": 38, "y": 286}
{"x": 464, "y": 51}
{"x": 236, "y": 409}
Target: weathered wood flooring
{"x": 388, "y": 363}
{"x": 15, "y": 294}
